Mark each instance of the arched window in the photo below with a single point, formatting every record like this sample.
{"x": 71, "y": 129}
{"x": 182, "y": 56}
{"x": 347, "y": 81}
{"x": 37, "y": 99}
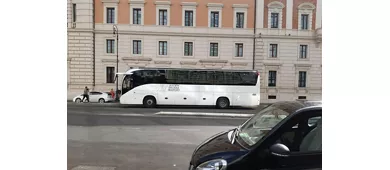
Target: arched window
{"x": 305, "y": 16}
{"x": 275, "y": 14}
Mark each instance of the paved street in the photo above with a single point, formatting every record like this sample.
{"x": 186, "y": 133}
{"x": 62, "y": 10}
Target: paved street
{"x": 95, "y": 108}
{"x": 124, "y": 138}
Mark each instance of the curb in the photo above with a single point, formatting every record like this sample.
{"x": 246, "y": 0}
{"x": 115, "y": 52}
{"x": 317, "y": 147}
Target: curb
{"x": 243, "y": 115}
{"x": 96, "y": 105}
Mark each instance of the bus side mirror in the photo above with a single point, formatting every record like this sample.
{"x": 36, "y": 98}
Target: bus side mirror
{"x": 279, "y": 150}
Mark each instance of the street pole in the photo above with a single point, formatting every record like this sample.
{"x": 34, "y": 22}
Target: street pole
{"x": 115, "y": 32}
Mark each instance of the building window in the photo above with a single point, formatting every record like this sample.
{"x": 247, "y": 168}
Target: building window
{"x": 188, "y": 48}
{"x": 163, "y": 47}
{"x": 302, "y": 79}
{"x": 273, "y": 51}
{"x": 239, "y": 49}
{"x": 137, "y": 47}
{"x": 110, "y": 74}
{"x": 110, "y": 15}
{"x": 271, "y": 97}
{"x": 239, "y": 20}
{"x": 274, "y": 20}
{"x": 214, "y": 49}
{"x": 163, "y": 17}
{"x": 188, "y": 18}
{"x": 303, "y": 51}
{"x": 304, "y": 21}
{"x": 302, "y": 97}
{"x": 271, "y": 78}
{"x": 137, "y": 16}
{"x": 214, "y": 19}
{"x": 74, "y": 13}
{"x": 110, "y": 46}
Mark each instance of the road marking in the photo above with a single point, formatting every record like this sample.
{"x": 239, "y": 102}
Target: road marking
{"x": 118, "y": 114}
{"x": 186, "y": 129}
{"x": 205, "y": 114}
{"x": 83, "y": 167}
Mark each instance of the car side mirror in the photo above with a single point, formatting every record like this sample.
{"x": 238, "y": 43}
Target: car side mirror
{"x": 279, "y": 150}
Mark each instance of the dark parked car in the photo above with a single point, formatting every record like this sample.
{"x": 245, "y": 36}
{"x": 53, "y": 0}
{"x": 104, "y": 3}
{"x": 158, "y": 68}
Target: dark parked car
{"x": 284, "y": 135}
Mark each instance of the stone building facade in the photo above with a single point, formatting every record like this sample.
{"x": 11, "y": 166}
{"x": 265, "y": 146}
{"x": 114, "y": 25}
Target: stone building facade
{"x": 234, "y": 34}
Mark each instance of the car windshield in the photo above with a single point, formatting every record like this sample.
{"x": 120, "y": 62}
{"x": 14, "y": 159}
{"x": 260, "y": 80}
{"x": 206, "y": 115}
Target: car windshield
{"x": 260, "y": 124}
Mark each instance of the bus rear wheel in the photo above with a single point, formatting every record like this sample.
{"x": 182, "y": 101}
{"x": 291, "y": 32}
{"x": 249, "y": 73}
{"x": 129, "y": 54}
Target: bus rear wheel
{"x": 223, "y": 103}
{"x": 149, "y": 102}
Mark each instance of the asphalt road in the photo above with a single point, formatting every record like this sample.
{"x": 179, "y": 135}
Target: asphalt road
{"x": 114, "y": 142}
{"x": 117, "y": 108}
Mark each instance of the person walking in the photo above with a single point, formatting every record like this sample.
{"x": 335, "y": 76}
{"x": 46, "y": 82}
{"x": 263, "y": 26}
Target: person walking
{"x": 112, "y": 93}
{"x": 86, "y": 94}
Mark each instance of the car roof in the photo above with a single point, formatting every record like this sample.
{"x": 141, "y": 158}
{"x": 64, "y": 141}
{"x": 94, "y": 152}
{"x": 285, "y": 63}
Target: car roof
{"x": 295, "y": 106}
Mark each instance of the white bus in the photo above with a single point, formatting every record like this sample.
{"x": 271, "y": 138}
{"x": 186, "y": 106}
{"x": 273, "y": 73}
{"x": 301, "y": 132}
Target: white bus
{"x": 169, "y": 86}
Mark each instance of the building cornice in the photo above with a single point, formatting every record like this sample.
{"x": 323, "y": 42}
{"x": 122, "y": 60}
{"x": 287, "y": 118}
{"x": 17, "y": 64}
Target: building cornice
{"x": 303, "y": 65}
{"x": 240, "y": 6}
{"x": 213, "y": 61}
{"x": 163, "y": 62}
{"x": 176, "y": 34}
{"x": 188, "y": 62}
{"x": 196, "y": 34}
{"x": 219, "y": 5}
{"x": 290, "y": 88}
{"x": 109, "y": 60}
{"x": 273, "y": 64}
{"x": 136, "y": 2}
{"x": 80, "y": 30}
{"x": 110, "y": 1}
{"x": 162, "y": 2}
{"x": 239, "y": 63}
{"x": 189, "y": 4}
{"x": 136, "y": 59}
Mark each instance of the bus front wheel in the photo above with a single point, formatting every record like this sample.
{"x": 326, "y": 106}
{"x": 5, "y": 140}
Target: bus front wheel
{"x": 149, "y": 102}
{"x": 223, "y": 103}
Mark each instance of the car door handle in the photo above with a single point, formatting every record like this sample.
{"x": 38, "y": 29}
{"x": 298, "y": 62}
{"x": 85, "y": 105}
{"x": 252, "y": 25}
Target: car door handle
{"x": 185, "y": 98}
{"x": 166, "y": 97}
{"x": 204, "y": 98}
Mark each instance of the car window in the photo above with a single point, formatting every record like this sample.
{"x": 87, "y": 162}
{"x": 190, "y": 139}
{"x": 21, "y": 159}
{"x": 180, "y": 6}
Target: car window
{"x": 313, "y": 121}
{"x": 260, "y": 124}
{"x": 303, "y": 138}
{"x": 313, "y": 140}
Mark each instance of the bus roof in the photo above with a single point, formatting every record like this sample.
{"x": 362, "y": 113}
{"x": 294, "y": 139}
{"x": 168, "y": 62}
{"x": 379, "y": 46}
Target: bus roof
{"x": 230, "y": 70}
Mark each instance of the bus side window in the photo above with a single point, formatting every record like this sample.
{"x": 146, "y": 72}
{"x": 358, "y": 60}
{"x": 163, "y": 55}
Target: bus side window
{"x": 183, "y": 77}
{"x": 237, "y": 80}
{"x": 171, "y": 76}
{"x": 229, "y": 79}
{"x": 248, "y": 78}
{"x": 219, "y": 78}
{"x": 200, "y": 77}
{"x": 160, "y": 77}
{"x": 149, "y": 76}
{"x": 210, "y": 77}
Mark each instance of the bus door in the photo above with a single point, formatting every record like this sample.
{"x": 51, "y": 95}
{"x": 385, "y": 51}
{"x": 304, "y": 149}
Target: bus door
{"x": 128, "y": 83}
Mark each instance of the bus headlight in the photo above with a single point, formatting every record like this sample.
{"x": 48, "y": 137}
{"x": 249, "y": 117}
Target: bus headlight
{"x": 216, "y": 164}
